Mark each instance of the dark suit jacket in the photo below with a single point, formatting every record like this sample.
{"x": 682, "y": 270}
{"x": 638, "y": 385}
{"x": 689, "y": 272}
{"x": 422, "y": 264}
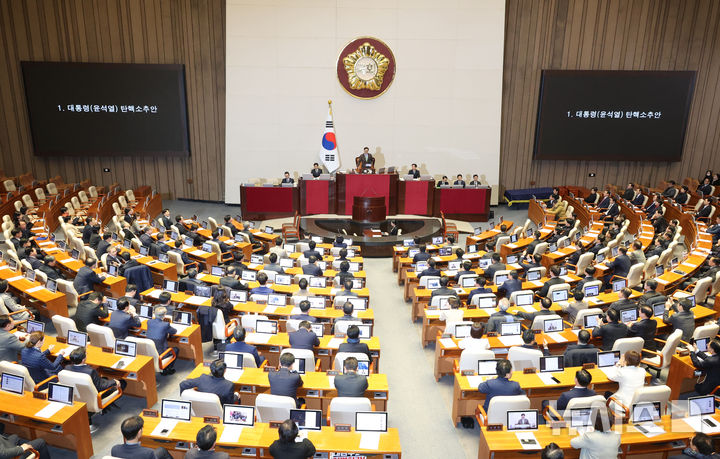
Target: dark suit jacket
{"x": 710, "y": 364}
{"x": 531, "y": 315}
{"x": 493, "y": 268}
{"x": 121, "y": 322}
{"x": 85, "y": 280}
{"x": 509, "y": 286}
{"x": 351, "y": 385}
{"x": 355, "y": 347}
{"x": 610, "y": 333}
{"x": 415, "y": 173}
{"x": 621, "y": 264}
{"x": 613, "y": 211}
{"x": 549, "y": 283}
{"x": 134, "y": 451}
{"x": 196, "y": 453}
{"x": 293, "y": 450}
{"x": 284, "y": 382}
{"x": 566, "y": 396}
{"x": 498, "y": 386}
{"x": 232, "y": 283}
{"x": 604, "y": 203}
{"x": 303, "y": 339}
{"x": 316, "y": 172}
{"x": 421, "y": 256}
{"x": 312, "y": 253}
{"x": 102, "y": 248}
{"x": 89, "y": 313}
{"x": 100, "y": 384}
{"x": 240, "y": 346}
{"x": 307, "y": 317}
{"x": 313, "y": 270}
{"x": 577, "y": 354}
{"x": 623, "y": 304}
{"x": 159, "y": 331}
{"x": 429, "y": 272}
{"x": 224, "y": 389}
{"x": 645, "y": 329}
{"x": 684, "y": 321}
{"x": 146, "y": 240}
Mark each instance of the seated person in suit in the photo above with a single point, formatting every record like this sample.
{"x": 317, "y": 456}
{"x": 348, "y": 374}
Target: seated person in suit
{"x": 311, "y": 268}
{"x": 214, "y": 383}
{"x": 224, "y": 248}
{"x": 393, "y": 229}
{"x": 593, "y": 196}
{"x": 636, "y": 255}
{"x": 103, "y": 244}
{"x": 304, "y": 312}
{"x": 480, "y": 282}
{"x": 611, "y": 330}
{"x": 459, "y": 181}
{"x": 285, "y": 381}
{"x": 274, "y": 265}
{"x": 496, "y": 318}
{"x": 466, "y": 270}
{"x": 708, "y": 269}
{"x": 709, "y": 363}
{"x": 132, "y": 430}
{"x": 651, "y": 295}
{"x": 645, "y": 328}
{"x": 350, "y": 383}
{"x": 165, "y": 300}
{"x": 311, "y": 252}
{"x": 443, "y": 290}
{"x": 287, "y": 446}
{"x": 535, "y": 261}
{"x": 90, "y": 311}
{"x": 365, "y": 161}
{"x": 705, "y": 187}
{"x": 165, "y": 219}
{"x": 10, "y": 345}
{"x": 36, "y": 361}
{"x": 302, "y": 288}
{"x": 191, "y": 281}
{"x": 78, "y": 364}
{"x": 145, "y": 237}
{"x": 554, "y": 280}
{"x": 497, "y": 265}
{"x": 701, "y": 447}
{"x": 183, "y": 255}
{"x": 278, "y": 250}
{"x": 583, "y": 378}
{"x": 9, "y": 303}
{"x": 347, "y": 289}
{"x": 304, "y": 337}
{"x": 241, "y": 346}
{"x": 422, "y": 255}
{"x": 604, "y": 201}
{"x": 205, "y": 445}
{"x": 431, "y": 270}
{"x": 654, "y": 205}
{"x": 231, "y": 279}
{"x": 287, "y": 178}
{"x": 13, "y": 446}
{"x": 475, "y": 181}
{"x": 121, "y": 321}
{"x": 682, "y": 319}
{"x": 316, "y": 171}
{"x": 576, "y": 306}
{"x": 339, "y": 242}
{"x": 159, "y": 331}
{"x": 669, "y": 191}
{"x": 683, "y": 196}
{"x": 500, "y": 385}
{"x": 443, "y": 182}
{"x": 513, "y": 284}
{"x": 624, "y": 301}
{"x": 414, "y": 171}
{"x": 353, "y": 343}
{"x": 87, "y": 278}
{"x": 545, "y": 304}
{"x": 529, "y": 342}
{"x": 347, "y": 314}
{"x": 344, "y": 273}
{"x": 228, "y": 223}
{"x": 582, "y": 352}
{"x": 475, "y": 340}
{"x": 262, "y": 289}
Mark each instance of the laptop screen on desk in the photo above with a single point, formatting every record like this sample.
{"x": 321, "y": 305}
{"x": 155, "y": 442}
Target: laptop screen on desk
{"x": 202, "y": 291}
{"x": 144, "y": 251}
{"x": 512, "y": 259}
{"x": 239, "y": 415}
{"x": 453, "y": 265}
{"x": 600, "y": 257}
{"x": 317, "y": 282}
{"x": 552, "y": 325}
{"x": 524, "y": 299}
{"x": 488, "y": 301}
{"x": 232, "y": 359}
{"x": 125, "y": 348}
{"x": 318, "y": 329}
{"x": 472, "y": 248}
{"x": 702, "y": 344}
{"x": 359, "y": 304}
{"x": 12, "y": 383}
{"x": 371, "y": 421}
{"x": 175, "y": 409}
{"x": 316, "y": 302}
{"x": 513, "y": 238}
{"x": 437, "y": 240}
{"x": 618, "y": 284}
{"x": 591, "y": 320}
{"x": 283, "y": 279}
{"x": 34, "y": 326}
{"x": 510, "y": 328}
{"x": 628, "y": 315}
{"x": 462, "y": 330}
{"x": 298, "y": 366}
{"x": 501, "y": 278}
{"x": 552, "y": 363}
{"x": 76, "y": 338}
{"x": 239, "y": 296}
{"x": 487, "y": 367}
{"x": 522, "y": 420}
{"x": 560, "y": 295}
{"x": 170, "y": 286}
{"x": 445, "y": 251}
{"x": 646, "y": 412}
{"x": 51, "y": 286}
{"x": 592, "y": 290}
{"x": 484, "y": 263}
{"x": 145, "y": 311}
{"x": 248, "y": 275}
{"x": 365, "y": 331}
{"x": 289, "y": 248}
{"x": 275, "y": 299}
{"x": 534, "y": 274}
{"x": 307, "y": 419}
{"x": 581, "y": 417}
{"x": 698, "y": 406}
{"x": 61, "y": 393}
{"x": 469, "y": 282}
{"x": 608, "y": 358}
{"x": 182, "y": 318}
{"x": 266, "y": 326}
{"x": 218, "y": 271}
{"x": 112, "y": 270}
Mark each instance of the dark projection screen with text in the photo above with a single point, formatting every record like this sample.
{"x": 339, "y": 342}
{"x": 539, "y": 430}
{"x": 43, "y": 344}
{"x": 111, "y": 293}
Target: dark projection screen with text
{"x": 613, "y": 115}
{"x": 106, "y": 109}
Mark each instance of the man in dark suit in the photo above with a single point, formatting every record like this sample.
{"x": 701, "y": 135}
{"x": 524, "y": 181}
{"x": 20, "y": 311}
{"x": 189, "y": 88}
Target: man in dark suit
{"x": 443, "y": 290}
{"x": 611, "y": 330}
{"x": 545, "y": 304}
{"x": 500, "y": 385}
{"x": 629, "y": 192}
{"x": 422, "y": 255}
{"x": 311, "y": 252}
{"x": 709, "y": 363}
{"x": 50, "y": 268}
{"x": 121, "y": 322}
{"x": 287, "y": 178}
{"x": 479, "y": 288}
{"x": 304, "y": 337}
{"x": 705, "y": 187}
{"x": 284, "y": 381}
{"x": 353, "y": 343}
{"x": 229, "y": 225}
{"x": 10, "y": 345}
{"x": 645, "y": 327}
{"x": 654, "y": 205}
{"x": 90, "y": 311}
{"x": 127, "y": 262}
{"x": 714, "y": 229}
{"x": 604, "y": 201}
{"x": 191, "y": 281}
{"x": 16, "y": 235}
{"x": 705, "y": 209}
{"x": 158, "y": 330}
{"x": 231, "y": 279}
{"x": 87, "y": 278}
{"x": 682, "y": 319}
{"x": 496, "y": 266}
{"x": 275, "y": 266}
{"x": 304, "y": 306}
{"x": 311, "y": 268}
{"x": 165, "y": 219}
{"x": 145, "y": 237}
{"x": 103, "y": 244}
{"x": 651, "y": 296}
{"x": 205, "y": 445}
{"x": 669, "y": 191}
{"x": 414, "y": 171}
{"x": 32, "y": 258}
{"x": 459, "y": 181}
{"x": 613, "y": 209}
{"x": 513, "y": 284}
{"x": 582, "y": 352}
{"x": 475, "y": 181}
{"x": 466, "y": 270}
{"x": 178, "y": 249}
{"x": 316, "y": 171}
{"x": 531, "y": 247}
{"x": 132, "y": 430}
{"x": 683, "y": 196}
{"x": 554, "y": 280}
{"x": 78, "y": 364}
{"x": 639, "y": 198}
{"x": 708, "y": 269}
{"x": 431, "y": 270}
{"x": 366, "y": 160}
{"x": 621, "y": 264}
{"x": 593, "y": 196}
{"x": 659, "y": 222}
{"x": 502, "y": 316}
{"x": 624, "y": 302}
{"x": 582, "y": 380}
{"x": 214, "y": 383}
{"x": 241, "y": 346}
{"x": 350, "y": 383}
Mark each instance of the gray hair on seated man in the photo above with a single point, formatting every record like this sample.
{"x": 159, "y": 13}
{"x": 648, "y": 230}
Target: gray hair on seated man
{"x": 503, "y": 304}
{"x": 160, "y": 312}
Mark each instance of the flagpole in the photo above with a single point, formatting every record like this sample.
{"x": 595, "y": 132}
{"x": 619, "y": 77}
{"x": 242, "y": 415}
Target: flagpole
{"x": 332, "y": 117}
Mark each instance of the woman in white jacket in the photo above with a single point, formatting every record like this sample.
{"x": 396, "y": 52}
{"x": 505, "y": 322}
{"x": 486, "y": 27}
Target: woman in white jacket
{"x": 602, "y": 442}
{"x": 629, "y": 376}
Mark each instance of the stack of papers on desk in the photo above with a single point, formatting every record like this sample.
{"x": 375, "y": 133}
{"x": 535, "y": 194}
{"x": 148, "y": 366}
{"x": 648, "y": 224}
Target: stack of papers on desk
{"x": 649, "y": 429}
{"x": 697, "y": 424}
{"x": 270, "y": 309}
{"x": 527, "y": 440}
{"x": 529, "y": 308}
{"x": 557, "y": 337}
{"x": 180, "y": 328}
{"x": 123, "y": 362}
{"x": 369, "y": 440}
{"x": 166, "y": 425}
{"x": 198, "y": 253}
{"x": 260, "y": 338}
{"x": 448, "y": 343}
{"x": 50, "y": 409}
{"x": 512, "y": 340}
{"x": 231, "y": 433}
{"x": 233, "y": 374}
{"x": 537, "y": 283}
{"x": 335, "y": 343}
{"x": 546, "y": 378}
{"x": 16, "y": 278}
{"x": 196, "y": 300}
{"x": 155, "y": 293}
{"x": 34, "y": 289}
{"x": 475, "y": 381}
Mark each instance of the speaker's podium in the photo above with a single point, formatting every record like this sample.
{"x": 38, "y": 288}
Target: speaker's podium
{"x": 369, "y": 209}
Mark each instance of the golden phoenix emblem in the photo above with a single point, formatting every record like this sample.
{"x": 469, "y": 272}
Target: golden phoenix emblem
{"x": 366, "y": 67}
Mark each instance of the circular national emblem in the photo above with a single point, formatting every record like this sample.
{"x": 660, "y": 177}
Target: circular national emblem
{"x": 366, "y": 68}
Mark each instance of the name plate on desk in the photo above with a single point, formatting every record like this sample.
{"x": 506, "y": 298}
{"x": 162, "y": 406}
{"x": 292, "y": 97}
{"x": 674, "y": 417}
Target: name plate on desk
{"x": 494, "y": 427}
{"x": 275, "y": 424}
{"x": 40, "y": 395}
{"x": 109, "y": 350}
{"x": 468, "y": 372}
{"x": 343, "y": 427}
{"x": 151, "y": 413}
{"x": 529, "y": 371}
{"x": 588, "y": 366}
{"x": 333, "y": 372}
{"x": 61, "y": 339}
{"x": 211, "y": 420}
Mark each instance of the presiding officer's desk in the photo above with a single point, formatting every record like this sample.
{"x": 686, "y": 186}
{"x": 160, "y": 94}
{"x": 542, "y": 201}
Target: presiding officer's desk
{"x": 254, "y": 442}
{"x": 504, "y": 444}
{"x": 139, "y": 374}
{"x": 466, "y": 396}
{"x": 68, "y": 428}
{"x": 318, "y": 388}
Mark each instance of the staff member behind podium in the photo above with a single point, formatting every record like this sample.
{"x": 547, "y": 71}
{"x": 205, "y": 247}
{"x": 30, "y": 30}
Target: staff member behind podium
{"x": 459, "y": 181}
{"x": 366, "y": 161}
{"x": 475, "y": 181}
{"x": 414, "y": 171}
{"x": 316, "y": 171}
{"x": 287, "y": 178}
{"x": 443, "y": 182}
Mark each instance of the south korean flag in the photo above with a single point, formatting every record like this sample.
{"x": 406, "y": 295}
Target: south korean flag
{"x": 328, "y": 152}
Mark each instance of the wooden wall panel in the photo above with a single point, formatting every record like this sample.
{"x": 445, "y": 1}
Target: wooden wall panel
{"x": 608, "y": 35}
{"x": 190, "y": 32}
